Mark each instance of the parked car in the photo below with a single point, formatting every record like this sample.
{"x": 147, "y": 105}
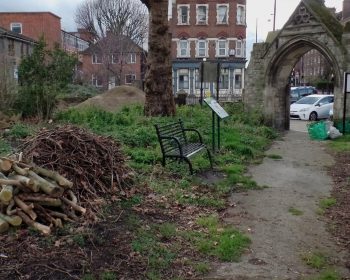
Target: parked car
{"x": 299, "y": 92}
{"x": 312, "y": 107}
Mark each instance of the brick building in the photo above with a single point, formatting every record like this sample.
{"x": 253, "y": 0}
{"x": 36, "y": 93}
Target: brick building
{"x": 112, "y": 62}
{"x": 209, "y": 30}
{"x": 13, "y": 47}
{"x": 34, "y": 25}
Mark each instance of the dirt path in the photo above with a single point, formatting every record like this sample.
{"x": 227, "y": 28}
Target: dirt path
{"x": 279, "y": 238}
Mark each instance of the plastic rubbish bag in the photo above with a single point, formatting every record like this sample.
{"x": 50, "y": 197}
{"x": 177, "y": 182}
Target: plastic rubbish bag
{"x": 318, "y": 130}
{"x": 334, "y": 133}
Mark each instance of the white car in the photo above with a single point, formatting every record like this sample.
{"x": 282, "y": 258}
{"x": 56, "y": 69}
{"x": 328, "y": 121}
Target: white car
{"x": 312, "y": 107}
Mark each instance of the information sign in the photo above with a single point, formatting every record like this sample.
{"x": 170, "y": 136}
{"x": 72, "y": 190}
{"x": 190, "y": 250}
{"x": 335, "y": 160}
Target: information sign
{"x": 216, "y": 107}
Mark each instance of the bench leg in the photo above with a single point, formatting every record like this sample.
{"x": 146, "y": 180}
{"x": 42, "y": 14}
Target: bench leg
{"x": 210, "y": 158}
{"x": 189, "y": 164}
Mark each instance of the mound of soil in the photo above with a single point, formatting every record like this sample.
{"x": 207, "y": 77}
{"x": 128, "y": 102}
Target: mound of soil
{"x": 116, "y": 98}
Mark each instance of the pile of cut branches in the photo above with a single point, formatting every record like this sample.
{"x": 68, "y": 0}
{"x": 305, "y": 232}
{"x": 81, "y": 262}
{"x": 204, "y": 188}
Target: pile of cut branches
{"x": 39, "y": 197}
{"x": 95, "y": 164}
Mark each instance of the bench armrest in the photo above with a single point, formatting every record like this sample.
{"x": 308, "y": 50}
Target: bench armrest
{"x": 176, "y": 140}
{"x": 195, "y": 130}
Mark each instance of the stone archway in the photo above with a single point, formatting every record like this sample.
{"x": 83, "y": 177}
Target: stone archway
{"x": 271, "y": 63}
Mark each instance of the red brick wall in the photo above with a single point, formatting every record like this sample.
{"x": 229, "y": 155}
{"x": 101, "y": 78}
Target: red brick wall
{"x": 212, "y": 30}
{"x": 35, "y": 25}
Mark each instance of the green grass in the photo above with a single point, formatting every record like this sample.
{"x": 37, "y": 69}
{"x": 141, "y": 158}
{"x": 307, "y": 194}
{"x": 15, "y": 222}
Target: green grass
{"x": 273, "y": 156}
{"x": 108, "y": 275}
{"x": 341, "y": 144}
{"x": 327, "y": 203}
{"x": 20, "y": 130}
{"x": 5, "y": 147}
{"x": 295, "y": 211}
{"x": 315, "y": 260}
{"x": 223, "y": 242}
{"x": 328, "y": 274}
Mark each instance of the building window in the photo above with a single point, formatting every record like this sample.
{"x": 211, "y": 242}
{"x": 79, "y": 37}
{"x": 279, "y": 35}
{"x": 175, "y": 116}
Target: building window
{"x": 183, "y": 48}
{"x": 130, "y": 78}
{"x": 202, "y": 48}
{"x": 183, "y": 14}
{"x": 11, "y": 48}
{"x": 241, "y": 14}
{"x": 238, "y": 80}
{"x": 183, "y": 79}
{"x": 132, "y": 58}
{"x": 198, "y": 81}
{"x": 96, "y": 59}
{"x": 222, "y": 14}
{"x": 114, "y": 58}
{"x": 96, "y": 81}
{"x": 240, "y": 48}
{"x": 224, "y": 78}
{"x": 202, "y": 14}
{"x": 16, "y": 27}
{"x": 221, "y": 48}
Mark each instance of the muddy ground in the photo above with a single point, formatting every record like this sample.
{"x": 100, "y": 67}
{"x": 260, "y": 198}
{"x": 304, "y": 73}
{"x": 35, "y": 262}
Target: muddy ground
{"x": 282, "y": 240}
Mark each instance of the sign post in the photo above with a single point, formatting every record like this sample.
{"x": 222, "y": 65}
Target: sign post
{"x": 346, "y": 91}
{"x": 220, "y": 113}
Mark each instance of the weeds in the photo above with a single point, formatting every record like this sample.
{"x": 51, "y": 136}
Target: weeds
{"x": 295, "y": 211}
{"x": 273, "y": 156}
{"x": 315, "y": 260}
{"x": 327, "y": 203}
{"x": 5, "y": 147}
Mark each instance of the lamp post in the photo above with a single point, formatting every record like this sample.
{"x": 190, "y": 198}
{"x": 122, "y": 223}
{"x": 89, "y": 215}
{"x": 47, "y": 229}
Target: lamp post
{"x": 274, "y": 16}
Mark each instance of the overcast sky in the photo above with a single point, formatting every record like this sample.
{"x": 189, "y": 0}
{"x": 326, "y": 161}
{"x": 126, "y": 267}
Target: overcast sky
{"x": 259, "y": 13}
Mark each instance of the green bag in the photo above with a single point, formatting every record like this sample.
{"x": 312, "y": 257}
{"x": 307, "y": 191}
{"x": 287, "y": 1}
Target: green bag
{"x": 317, "y": 130}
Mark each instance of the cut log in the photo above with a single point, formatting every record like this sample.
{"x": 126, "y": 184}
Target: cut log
{"x": 12, "y": 220}
{"x": 28, "y": 209}
{"x": 19, "y": 170}
{"x": 6, "y": 194}
{"x": 60, "y": 215}
{"x": 46, "y": 186}
{"x": 41, "y": 199}
{"x": 9, "y": 210}
{"x": 5, "y": 165}
{"x": 4, "y": 226}
{"x": 40, "y": 227}
{"x": 74, "y": 205}
{"x": 25, "y": 181}
{"x": 44, "y": 213}
{"x": 60, "y": 180}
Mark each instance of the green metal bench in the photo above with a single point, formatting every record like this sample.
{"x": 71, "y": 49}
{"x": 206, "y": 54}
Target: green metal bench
{"x": 175, "y": 145}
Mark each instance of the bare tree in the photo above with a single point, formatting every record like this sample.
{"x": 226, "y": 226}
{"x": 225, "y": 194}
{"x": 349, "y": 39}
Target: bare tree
{"x": 158, "y": 81}
{"x": 8, "y": 84}
{"x": 115, "y": 26}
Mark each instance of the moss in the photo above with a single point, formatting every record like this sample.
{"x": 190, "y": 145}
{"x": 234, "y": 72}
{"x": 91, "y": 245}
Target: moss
{"x": 326, "y": 17}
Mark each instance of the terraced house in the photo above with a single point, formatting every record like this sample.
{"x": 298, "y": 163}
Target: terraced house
{"x": 208, "y": 30}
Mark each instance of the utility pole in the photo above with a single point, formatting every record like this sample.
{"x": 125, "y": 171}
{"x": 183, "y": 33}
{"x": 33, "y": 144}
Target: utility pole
{"x": 274, "y": 16}
{"x": 256, "y": 30}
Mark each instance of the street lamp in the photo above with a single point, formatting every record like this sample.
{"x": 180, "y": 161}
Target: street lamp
{"x": 274, "y": 16}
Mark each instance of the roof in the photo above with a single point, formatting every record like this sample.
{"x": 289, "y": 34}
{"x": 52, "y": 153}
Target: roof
{"x": 96, "y": 47}
{"x": 7, "y": 33}
{"x": 3, "y": 13}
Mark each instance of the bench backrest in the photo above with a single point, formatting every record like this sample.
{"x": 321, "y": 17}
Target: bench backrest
{"x": 175, "y": 129}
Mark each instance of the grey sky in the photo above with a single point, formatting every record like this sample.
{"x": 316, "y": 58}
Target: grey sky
{"x": 259, "y": 13}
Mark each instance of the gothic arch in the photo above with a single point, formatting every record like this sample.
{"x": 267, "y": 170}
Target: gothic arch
{"x": 267, "y": 75}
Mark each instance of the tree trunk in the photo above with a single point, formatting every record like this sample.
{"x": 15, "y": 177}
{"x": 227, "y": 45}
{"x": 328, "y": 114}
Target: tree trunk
{"x": 158, "y": 80}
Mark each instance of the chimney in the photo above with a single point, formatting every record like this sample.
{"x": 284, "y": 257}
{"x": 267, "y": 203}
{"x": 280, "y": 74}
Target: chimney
{"x": 346, "y": 9}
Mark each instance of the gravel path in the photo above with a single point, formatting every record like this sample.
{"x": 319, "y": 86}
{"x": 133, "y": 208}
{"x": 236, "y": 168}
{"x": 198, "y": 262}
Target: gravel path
{"x": 280, "y": 239}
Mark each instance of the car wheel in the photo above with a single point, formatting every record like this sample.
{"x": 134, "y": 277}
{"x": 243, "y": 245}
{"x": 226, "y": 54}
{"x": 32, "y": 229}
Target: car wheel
{"x": 313, "y": 116}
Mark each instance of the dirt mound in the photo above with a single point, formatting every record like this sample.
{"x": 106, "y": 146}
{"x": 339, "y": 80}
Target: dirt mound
{"x": 116, "y": 98}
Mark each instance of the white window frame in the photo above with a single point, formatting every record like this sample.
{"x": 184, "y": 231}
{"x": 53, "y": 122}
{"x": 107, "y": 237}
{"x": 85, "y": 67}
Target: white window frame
{"x": 114, "y": 58}
{"x": 225, "y": 72}
{"x": 179, "y": 15}
{"x": 198, "y": 21}
{"x": 16, "y": 25}
{"x": 130, "y": 74}
{"x": 132, "y": 58}
{"x": 217, "y": 13}
{"x": 94, "y": 81}
{"x": 240, "y": 48}
{"x": 96, "y": 59}
{"x": 181, "y": 72}
{"x": 241, "y": 19}
{"x": 179, "y": 49}
{"x": 218, "y": 48}
{"x": 198, "y": 42}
